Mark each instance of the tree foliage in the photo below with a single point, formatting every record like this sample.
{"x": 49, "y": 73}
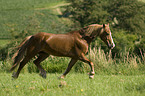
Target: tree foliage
{"x": 87, "y": 11}
{"x": 129, "y": 13}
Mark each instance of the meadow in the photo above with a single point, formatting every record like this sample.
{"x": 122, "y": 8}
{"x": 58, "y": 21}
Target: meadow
{"x": 30, "y": 15}
{"x": 111, "y": 79}
{"x": 73, "y": 85}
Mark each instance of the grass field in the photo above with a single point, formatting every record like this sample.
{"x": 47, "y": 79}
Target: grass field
{"x": 142, "y": 0}
{"x": 73, "y": 85}
{"x": 32, "y": 16}
{"x": 15, "y": 14}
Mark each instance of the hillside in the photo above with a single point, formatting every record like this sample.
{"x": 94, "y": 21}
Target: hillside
{"x": 30, "y": 15}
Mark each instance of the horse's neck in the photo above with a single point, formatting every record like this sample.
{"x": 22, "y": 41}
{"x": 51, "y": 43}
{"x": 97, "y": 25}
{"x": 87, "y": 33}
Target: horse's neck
{"x": 93, "y": 35}
{"x": 97, "y": 33}
{"x": 88, "y": 39}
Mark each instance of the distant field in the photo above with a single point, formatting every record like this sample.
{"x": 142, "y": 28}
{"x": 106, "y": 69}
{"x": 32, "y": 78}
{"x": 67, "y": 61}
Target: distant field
{"x": 17, "y": 16}
{"x": 142, "y": 0}
{"x": 30, "y": 15}
{"x": 73, "y": 85}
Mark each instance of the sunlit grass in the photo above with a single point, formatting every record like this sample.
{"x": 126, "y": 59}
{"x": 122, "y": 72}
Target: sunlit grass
{"x": 142, "y": 0}
{"x": 27, "y": 4}
{"x": 75, "y": 85}
{"x": 4, "y": 42}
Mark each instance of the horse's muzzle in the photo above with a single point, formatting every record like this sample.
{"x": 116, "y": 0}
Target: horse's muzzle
{"x": 111, "y": 46}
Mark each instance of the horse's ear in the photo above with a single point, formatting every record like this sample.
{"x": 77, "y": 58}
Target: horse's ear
{"x": 103, "y": 25}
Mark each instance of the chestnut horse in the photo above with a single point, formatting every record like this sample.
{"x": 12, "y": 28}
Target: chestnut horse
{"x": 73, "y": 44}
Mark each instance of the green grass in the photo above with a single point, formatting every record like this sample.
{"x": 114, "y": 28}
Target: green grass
{"x": 142, "y": 0}
{"x": 4, "y": 42}
{"x": 31, "y": 16}
{"x": 27, "y": 4}
{"x": 21, "y": 14}
{"x": 76, "y": 85}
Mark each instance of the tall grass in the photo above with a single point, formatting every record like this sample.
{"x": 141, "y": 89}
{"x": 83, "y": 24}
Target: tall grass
{"x": 127, "y": 65}
{"x": 103, "y": 63}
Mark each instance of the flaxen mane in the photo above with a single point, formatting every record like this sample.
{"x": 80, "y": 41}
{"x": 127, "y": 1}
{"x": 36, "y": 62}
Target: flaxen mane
{"x": 90, "y": 30}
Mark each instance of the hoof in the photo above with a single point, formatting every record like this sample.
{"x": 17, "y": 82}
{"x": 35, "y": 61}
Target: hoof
{"x": 92, "y": 73}
{"x": 61, "y": 77}
{"x": 43, "y": 75}
{"x": 91, "y": 76}
{"x": 14, "y": 75}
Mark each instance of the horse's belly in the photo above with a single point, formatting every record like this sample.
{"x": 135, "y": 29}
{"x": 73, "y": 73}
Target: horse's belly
{"x": 60, "y": 52}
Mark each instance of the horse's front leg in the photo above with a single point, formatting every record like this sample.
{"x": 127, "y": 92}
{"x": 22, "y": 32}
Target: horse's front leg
{"x": 71, "y": 64}
{"x": 84, "y": 59}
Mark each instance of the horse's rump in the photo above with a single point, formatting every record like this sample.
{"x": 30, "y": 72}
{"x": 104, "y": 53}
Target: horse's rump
{"x": 22, "y": 43}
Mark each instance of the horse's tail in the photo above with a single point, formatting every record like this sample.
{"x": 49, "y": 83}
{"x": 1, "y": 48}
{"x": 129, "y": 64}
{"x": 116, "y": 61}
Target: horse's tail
{"x": 18, "y": 56}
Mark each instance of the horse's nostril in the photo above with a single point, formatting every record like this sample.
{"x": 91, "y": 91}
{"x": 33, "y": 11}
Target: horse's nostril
{"x": 112, "y": 46}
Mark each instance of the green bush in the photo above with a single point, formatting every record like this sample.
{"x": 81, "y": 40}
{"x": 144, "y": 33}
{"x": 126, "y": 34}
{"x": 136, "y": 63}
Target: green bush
{"x": 129, "y": 13}
{"x": 51, "y": 65}
{"x": 87, "y": 11}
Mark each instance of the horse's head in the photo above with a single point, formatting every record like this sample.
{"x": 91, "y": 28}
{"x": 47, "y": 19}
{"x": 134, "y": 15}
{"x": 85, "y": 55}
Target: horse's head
{"x": 105, "y": 35}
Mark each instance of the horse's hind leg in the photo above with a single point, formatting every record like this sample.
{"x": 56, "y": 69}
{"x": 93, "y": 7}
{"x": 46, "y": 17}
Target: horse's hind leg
{"x": 22, "y": 64}
{"x": 42, "y": 56}
{"x": 29, "y": 55}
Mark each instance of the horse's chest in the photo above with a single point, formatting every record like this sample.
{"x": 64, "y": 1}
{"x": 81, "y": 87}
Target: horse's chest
{"x": 82, "y": 46}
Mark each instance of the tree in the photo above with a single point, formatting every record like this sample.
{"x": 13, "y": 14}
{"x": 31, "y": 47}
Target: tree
{"x": 87, "y": 11}
{"x": 129, "y": 13}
